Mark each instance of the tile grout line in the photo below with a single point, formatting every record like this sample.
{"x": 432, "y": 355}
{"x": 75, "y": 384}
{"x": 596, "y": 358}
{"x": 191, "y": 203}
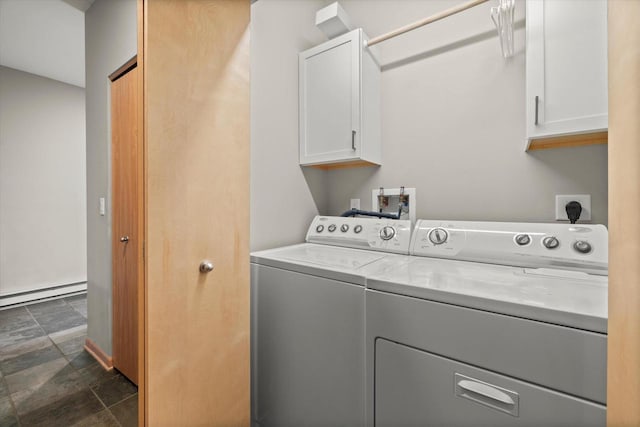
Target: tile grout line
{"x": 104, "y": 405}
{"x": 13, "y": 405}
{"x": 120, "y": 401}
{"x": 26, "y": 307}
{"x": 53, "y": 343}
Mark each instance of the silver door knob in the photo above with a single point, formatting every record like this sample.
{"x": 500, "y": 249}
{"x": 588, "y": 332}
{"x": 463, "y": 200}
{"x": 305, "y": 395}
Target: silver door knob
{"x": 206, "y": 266}
{"x": 124, "y": 239}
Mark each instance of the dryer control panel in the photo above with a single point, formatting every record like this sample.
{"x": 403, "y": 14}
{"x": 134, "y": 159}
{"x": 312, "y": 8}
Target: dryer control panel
{"x": 579, "y": 247}
{"x": 385, "y": 235}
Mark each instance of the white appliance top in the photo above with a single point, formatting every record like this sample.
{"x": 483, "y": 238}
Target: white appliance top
{"x": 580, "y": 247}
{"x": 340, "y": 247}
{"x": 534, "y": 271}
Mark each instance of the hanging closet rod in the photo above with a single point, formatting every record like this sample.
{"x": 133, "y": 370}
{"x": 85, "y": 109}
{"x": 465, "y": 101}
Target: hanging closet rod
{"x": 425, "y": 21}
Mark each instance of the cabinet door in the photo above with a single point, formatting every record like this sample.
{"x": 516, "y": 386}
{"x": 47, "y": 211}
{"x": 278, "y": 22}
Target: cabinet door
{"x": 330, "y": 100}
{"x": 416, "y": 388}
{"x": 566, "y": 67}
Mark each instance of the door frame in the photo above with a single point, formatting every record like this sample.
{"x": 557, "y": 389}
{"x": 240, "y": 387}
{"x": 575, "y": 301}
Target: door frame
{"x": 136, "y": 62}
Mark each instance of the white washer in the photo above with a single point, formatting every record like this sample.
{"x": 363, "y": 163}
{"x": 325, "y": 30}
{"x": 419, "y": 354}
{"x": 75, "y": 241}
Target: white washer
{"x": 308, "y": 319}
{"x": 496, "y": 324}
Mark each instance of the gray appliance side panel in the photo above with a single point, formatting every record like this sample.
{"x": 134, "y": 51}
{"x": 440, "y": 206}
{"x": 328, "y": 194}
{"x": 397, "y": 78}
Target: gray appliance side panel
{"x": 307, "y": 350}
{"x": 560, "y": 358}
{"x": 416, "y": 388}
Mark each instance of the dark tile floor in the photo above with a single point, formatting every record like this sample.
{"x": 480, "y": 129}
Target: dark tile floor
{"x": 46, "y": 377}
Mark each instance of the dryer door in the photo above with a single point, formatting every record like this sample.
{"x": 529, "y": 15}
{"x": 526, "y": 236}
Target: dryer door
{"x": 417, "y": 388}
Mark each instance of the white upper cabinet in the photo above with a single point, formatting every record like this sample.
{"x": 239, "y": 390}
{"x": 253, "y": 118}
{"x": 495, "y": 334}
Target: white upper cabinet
{"x": 339, "y": 103}
{"x": 566, "y": 67}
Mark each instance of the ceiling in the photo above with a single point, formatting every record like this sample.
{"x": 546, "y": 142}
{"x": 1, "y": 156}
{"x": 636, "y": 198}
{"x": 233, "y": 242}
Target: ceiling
{"x": 44, "y": 37}
{"x": 81, "y": 5}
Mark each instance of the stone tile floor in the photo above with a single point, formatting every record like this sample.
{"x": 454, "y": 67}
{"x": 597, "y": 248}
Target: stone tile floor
{"x": 46, "y": 377}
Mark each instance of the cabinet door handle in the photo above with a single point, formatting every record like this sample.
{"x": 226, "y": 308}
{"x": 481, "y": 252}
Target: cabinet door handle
{"x": 353, "y": 140}
{"x": 536, "y": 119}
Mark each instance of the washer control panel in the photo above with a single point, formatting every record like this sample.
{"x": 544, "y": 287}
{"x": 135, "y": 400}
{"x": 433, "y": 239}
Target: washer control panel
{"x": 365, "y": 233}
{"x": 562, "y": 246}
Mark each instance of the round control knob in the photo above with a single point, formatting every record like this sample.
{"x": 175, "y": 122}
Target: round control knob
{"x": 344, "y": 228}
{"x": 332, "y": 228}
{"x": 320, "y": 228}
{"x": 550, "y": 242}
{"x": 582, "y": 246}
{"x": 357, "y": 229}
{"x": 438, "y": 236}
{"x": 387, "y": 232}
{"x": 523, "y": 239}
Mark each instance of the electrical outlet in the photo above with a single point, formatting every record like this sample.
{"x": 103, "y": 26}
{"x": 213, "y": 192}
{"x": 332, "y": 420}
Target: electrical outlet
{"x": 583, "y": 199}
{"x": 355, "y": 204}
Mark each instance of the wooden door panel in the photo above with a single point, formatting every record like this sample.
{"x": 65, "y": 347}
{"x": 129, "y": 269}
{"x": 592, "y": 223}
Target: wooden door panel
{"x": 197, "y": 142}
{"x": 124, "y": 161}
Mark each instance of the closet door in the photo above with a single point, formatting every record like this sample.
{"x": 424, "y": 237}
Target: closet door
{"x": 126, "y": 236}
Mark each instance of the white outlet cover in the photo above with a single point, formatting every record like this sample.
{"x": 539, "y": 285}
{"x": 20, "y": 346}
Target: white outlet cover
{"x": 563, "y": 199}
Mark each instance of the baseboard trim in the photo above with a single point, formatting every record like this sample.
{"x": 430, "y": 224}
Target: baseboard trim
{"x": 42, "y": 294}
{"x": 103, "y": 358}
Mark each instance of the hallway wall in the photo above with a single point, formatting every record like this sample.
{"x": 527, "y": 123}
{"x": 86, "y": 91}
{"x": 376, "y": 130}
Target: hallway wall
{"x": 111, "y": 40}
{"x": 42, "y": 183}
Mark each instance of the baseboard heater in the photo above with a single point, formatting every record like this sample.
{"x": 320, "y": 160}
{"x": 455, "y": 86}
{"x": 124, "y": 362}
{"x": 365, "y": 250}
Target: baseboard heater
{"x": 42, "y": 294}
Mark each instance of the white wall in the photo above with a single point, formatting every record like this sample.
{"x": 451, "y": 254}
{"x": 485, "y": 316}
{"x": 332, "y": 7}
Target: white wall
{"x": 284, "y": 196}
{"x": 453, "y": 123}
{"x": 111, "y": 40}
{"x": 453, "y": 119}
{"x": 42, "y": 183}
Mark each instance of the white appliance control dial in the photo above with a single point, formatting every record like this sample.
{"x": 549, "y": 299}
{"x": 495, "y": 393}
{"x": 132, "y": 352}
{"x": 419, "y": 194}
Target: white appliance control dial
{"x": 550, "y": 242}
{"x": 377, "y": 234}
{"x": 438, "y": 236}
{"x": 582, "y": 246}
{"x": 387, "y": 232}
{"x": 522, "y": 239}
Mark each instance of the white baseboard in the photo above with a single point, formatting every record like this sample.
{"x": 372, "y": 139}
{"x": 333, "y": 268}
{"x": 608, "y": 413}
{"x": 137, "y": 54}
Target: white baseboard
{"x": 42, "y": 294}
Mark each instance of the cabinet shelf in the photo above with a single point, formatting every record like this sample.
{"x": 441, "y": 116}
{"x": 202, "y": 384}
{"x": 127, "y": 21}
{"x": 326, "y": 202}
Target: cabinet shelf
{"x": 563, "y": 141}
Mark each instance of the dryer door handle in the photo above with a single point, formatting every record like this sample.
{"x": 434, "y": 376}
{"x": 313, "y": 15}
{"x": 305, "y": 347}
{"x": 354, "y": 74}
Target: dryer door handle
{"x": 489, "y": 395}
{"x": 486, "y": 391}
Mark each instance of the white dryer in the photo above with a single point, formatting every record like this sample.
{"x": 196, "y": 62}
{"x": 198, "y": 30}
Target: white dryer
{"x": 490, "y": 324}
{"x": 308, "y": 316}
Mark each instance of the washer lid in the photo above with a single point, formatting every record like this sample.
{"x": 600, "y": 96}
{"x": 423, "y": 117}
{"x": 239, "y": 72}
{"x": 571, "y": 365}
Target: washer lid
{"x": 321, "y": 260}
{"x": 579, "y": 300}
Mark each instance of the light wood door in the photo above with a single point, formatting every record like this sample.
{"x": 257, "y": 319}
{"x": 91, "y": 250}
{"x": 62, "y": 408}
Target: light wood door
{"x": 125, "y": 233}
{"x": 623, "y": 374}
{"x": 196, "y": 76}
